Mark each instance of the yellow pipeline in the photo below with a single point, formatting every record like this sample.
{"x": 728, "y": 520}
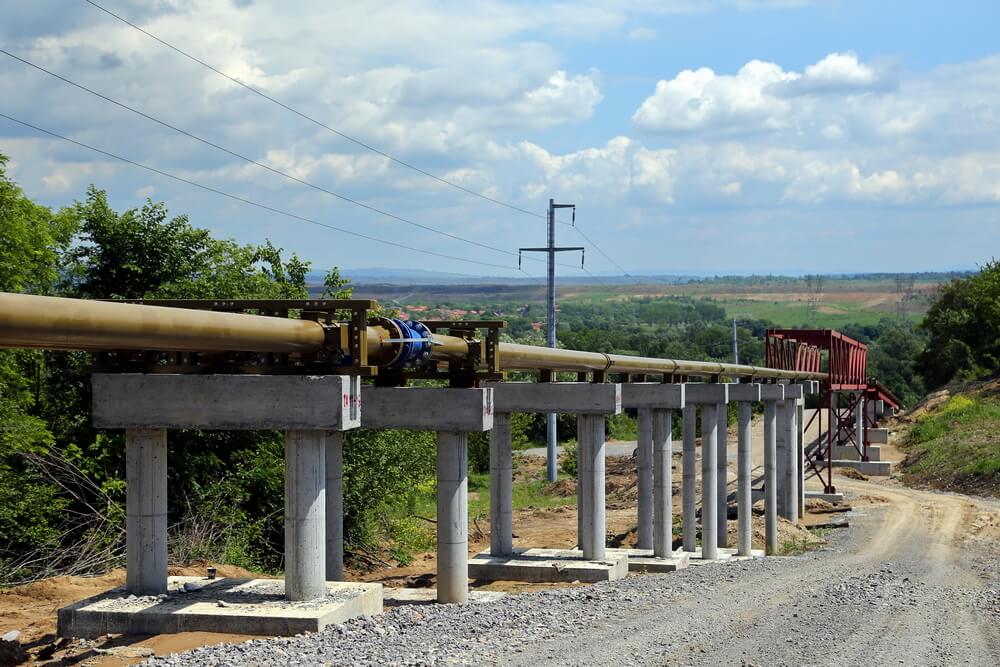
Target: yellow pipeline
{"x": 55, "y": 323}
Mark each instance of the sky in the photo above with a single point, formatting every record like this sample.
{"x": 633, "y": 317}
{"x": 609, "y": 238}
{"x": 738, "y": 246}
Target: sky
{"x": 713, "y": 136}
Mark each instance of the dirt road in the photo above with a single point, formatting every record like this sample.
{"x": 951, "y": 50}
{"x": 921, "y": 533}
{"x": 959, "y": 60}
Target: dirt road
{"x": 915, "y": 582}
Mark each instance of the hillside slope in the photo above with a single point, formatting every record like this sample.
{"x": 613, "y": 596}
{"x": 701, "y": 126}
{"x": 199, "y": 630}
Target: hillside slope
{"x": 952, "y": 440}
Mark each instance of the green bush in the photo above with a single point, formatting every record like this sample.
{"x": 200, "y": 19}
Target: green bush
{"x": 569, "y": 462}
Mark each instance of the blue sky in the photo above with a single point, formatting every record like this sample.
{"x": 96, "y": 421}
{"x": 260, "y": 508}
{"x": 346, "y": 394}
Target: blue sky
{"x": 777, "y": 136}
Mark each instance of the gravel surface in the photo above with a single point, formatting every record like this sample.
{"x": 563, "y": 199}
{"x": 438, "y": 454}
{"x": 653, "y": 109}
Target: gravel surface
{"x": 901, "y": 586}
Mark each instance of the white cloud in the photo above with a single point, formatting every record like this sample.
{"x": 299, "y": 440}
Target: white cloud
{"x": 642, "y": 34}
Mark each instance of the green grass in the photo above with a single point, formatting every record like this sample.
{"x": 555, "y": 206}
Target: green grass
{"x": 957, "y": 446}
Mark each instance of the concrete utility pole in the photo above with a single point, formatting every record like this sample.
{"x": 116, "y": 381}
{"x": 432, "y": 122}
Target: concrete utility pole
{"x": 736, "y": 345}
{"x": 550, "y": 314}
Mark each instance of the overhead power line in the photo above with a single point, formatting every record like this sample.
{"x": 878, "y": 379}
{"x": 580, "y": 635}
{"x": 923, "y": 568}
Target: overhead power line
{"x": 601, "y": 250}
{"x": 251, "y": 202}
{"x": 309, "y": 118}
{"x": 250, "y": 160}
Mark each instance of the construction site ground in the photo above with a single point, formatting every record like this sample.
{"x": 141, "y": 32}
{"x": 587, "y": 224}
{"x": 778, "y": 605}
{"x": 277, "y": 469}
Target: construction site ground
{"x": 915, "y": 579}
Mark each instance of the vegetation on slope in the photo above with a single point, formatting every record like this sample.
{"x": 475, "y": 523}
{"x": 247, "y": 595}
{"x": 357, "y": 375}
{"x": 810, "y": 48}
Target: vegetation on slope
{"x": 956, "y": 445}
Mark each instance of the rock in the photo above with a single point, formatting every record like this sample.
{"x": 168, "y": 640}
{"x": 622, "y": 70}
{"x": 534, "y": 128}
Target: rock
{"x": 191, "y": 587}
{"x": 223, "y": 603}
{"x": 12, "y": 653}
{"x": 11, "y": 636}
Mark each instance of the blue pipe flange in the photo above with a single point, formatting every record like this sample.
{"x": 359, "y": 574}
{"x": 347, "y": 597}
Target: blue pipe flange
{"x": 415, "y": 344}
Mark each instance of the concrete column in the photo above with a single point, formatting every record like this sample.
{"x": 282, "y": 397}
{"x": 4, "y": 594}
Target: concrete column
{"x": 584, "y": 475}
{"x": 335, "y": 506}
{"x": 709, "y": 490}
{"x": 859, "y": 422}
{"x": 644, "y": 451}
{"x": 452, "y": 516}
{"x": 663, "y": 518}
{"x": 689, "y": 501}
{"x": 770, "y": 478}
{"x": 305, "y": 514}
{"x": 501, "y": 487}
{"x": 743, "y": 466}
{"x": 722, "y": 477}
{"x": 146, "y": 511}
{"x": 800, "y": 465}
{"x": 788, "y": 468}
{"x": 782, "y": 456}
{"x": 591, "y": 432}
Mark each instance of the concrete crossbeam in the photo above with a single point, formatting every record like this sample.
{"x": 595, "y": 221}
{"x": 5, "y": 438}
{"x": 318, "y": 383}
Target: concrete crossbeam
{"x": 706, "y": 392}
{"x": 772, "y": 392}
{"x": 427, "y": 408}
{"x": 744, "y": 392}
{"x": 794, "y": 391}
{"x": 581, "y": 398}
{"x": 225, "y": 402}
{"x": 652, "y": 395}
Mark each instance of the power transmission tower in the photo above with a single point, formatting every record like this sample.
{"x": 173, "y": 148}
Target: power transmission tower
{"x": 550, "y": 314}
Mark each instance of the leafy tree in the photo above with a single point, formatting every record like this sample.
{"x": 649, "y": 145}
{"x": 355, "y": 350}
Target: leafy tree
{"x": 963, "y": 329}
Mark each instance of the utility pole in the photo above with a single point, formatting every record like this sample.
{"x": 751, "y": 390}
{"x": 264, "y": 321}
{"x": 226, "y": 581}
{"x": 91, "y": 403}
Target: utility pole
{"x": 736, "y": 345}
{"x": 550, "y": 314}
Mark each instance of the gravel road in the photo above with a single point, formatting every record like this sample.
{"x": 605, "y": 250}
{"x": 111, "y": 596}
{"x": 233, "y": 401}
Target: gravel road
{"x": 904, "y": 585}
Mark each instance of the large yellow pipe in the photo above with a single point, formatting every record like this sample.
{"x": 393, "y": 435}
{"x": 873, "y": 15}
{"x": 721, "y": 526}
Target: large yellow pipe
{"x": 55, "y": 323}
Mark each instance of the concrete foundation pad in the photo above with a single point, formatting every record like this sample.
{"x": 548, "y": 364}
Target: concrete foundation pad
{"x": 237, "y": 606}
{"x": 396, "y": 597}
{"x": 851, "y": 454}
{"x": 878, "y": 435}
{"x": 873, "y": 468}
{"x": 643, "y": 560}
{"x": 724, "y": 556}
{"x": 548, "y": 565}
{"x": 834, "y": 498}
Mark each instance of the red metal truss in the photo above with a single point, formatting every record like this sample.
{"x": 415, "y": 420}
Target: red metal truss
{"x": 802, "y": 349}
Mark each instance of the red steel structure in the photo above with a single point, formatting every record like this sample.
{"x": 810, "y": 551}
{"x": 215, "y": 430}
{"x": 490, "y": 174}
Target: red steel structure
{"x": 845, "y": 360}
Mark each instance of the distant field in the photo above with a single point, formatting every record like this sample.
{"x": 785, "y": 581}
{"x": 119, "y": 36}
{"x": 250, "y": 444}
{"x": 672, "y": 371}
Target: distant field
{"x": 790, "y": 302}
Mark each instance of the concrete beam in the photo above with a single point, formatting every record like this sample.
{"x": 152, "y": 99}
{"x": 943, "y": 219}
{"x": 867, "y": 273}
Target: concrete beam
{"x": 772, "y": 392}
{"x": 706, "y": 393}
{"x": 744, "y": 392}
{"x": 427, "y": 408}
{"x": 794, "y": 391}
{"x": 225, "y": 402}
{"x": 810, "y": 386}
{"x": 653, "y": 395}
{"x": 581, "y": 398}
